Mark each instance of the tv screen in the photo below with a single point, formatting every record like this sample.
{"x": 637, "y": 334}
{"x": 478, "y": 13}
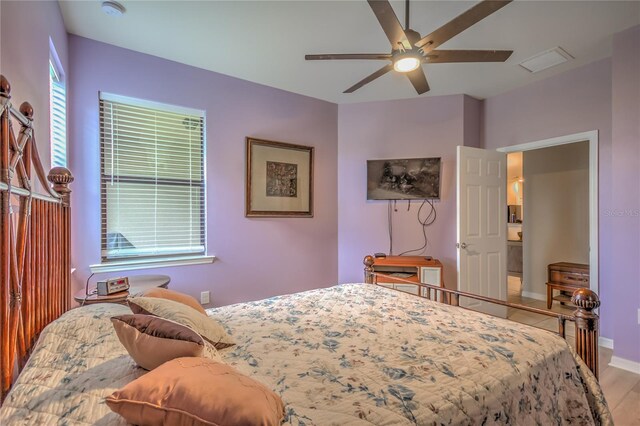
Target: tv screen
{"x": 403, "y": 179}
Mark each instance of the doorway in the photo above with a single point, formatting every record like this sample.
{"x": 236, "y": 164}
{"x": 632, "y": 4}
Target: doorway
{"x": 482, "y": 215}
{"x": 552, "y": 216}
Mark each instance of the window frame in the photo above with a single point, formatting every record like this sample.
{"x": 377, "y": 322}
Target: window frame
{"x": 143, "y": 261}
{"x": 58, "y": 71}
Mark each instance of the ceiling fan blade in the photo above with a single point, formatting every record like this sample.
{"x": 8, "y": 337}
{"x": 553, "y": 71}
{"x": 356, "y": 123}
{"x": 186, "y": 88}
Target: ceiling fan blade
{"x": 449, "y": 56}
{"x": 389, "y": 23}
{"x": 419, "y": 80}
{"x": 382, "y": 71}
{"x": 460, "y": 23}
{"x": 327, "y": 56}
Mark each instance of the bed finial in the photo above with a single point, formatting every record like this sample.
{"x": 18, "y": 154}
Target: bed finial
{"x": 368, "y": 269}
{"x": 27, "y": 110}
{"x": 587, "y": 326}
{"x": 585, "y": 299}
{"x": 5, "y": 87}
{"x": 61, "y": 177}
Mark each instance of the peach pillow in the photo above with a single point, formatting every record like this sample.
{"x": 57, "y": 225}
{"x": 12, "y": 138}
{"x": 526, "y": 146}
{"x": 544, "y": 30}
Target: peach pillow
{"x": 210, "y": 329}
{"x": 164, "y": 293}
{"x": 197, "y": 391}
{"x": 151, "y": 341}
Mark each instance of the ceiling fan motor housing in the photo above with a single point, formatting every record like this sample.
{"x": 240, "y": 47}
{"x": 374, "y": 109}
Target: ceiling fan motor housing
{"x": 412, "y": 36}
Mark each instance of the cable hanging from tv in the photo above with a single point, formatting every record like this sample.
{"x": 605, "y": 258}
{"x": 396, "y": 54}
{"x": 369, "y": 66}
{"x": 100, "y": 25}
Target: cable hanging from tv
{"x": 424, "y": 223}
{"x": 429, "y": 220}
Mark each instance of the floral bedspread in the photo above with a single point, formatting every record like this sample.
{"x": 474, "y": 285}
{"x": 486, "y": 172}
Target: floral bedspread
{"x": 363, "y": 354}
{"x": 350, "y": 354}
{"x": 77, "y": 362}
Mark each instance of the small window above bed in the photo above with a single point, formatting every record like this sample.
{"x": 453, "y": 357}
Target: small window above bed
{"x": 57, "y": 111}
{"x": 152, "y": 179}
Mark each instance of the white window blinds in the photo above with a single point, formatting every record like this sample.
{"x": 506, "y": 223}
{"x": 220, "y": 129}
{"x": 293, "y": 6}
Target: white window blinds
{"x": 58, "y": 119}
{"x": 152, "y": 179}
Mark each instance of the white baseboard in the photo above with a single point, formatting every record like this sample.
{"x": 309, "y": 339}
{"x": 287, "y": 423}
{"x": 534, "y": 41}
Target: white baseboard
{"x": 605, "y": 342}
{"x": 625, "y": 364}
{"x": 532, "y": 295}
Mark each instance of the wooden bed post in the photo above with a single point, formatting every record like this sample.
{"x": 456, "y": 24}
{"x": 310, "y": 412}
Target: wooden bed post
{"x": 61, "y": 177}
{"x": 5, "y": 298}
{"x": 587, "y": 327}
{"x": 368, "y": 269}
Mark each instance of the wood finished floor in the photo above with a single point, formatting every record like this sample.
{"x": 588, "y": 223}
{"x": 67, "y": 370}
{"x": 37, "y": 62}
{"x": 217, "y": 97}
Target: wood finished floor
{"x": 621, "y": 388}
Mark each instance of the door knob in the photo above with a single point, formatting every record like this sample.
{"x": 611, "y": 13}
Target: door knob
{"x": 461, "y": 245}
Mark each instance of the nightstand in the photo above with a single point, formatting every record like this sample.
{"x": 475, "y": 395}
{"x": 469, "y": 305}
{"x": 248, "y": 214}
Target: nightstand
{"x": 138, "y": 284}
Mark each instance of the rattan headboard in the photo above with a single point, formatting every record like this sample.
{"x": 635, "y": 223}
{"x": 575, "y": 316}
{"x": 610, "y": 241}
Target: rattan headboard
{"x": 34, "y": 239}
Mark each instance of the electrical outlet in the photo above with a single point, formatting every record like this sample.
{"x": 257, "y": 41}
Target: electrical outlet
{"x": 638, "y": 316}
{"x": 204, "y": 297}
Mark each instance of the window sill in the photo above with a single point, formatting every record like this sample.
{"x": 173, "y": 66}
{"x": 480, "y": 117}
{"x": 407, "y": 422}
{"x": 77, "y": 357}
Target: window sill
{"x": 135, "y": 264}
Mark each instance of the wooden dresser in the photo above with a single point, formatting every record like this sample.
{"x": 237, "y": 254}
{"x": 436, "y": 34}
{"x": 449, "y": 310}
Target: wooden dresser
{"x": 565, "y": 277}
{"x": 408, "y": 268}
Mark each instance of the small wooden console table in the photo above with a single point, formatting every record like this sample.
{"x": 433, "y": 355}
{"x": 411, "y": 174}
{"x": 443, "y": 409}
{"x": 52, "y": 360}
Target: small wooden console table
{"x": 400, "y": 269}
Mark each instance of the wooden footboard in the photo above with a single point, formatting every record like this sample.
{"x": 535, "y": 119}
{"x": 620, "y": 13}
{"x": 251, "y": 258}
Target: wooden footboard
{"x": 34, "y": 236}
{"x": 584, "y": 317}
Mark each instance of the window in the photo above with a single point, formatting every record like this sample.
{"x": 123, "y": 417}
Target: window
{"x": 152, "y": 179}
{"x": 58, "y": 119}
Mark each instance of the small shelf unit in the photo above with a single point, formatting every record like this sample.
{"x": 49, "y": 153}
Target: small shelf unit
{"x": 408, "y": 268}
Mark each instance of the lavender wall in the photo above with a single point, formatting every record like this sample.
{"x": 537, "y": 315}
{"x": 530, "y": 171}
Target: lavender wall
{"x": 623, "y": 210}
{"x": 421, "y": 127}
{"x": 257, "y": 257}
{"x": 572, "y": 102}
{"x": 25, "y": 28}
{"x": 472, "y": 128}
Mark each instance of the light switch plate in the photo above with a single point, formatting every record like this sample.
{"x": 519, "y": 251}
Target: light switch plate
{"x": 204, "y": 297}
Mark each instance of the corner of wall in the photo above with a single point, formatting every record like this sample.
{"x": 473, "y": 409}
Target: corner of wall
{"x": 28, "y": 72}
{"x": 481, "y": 130}
{"x": 472, "y": 124}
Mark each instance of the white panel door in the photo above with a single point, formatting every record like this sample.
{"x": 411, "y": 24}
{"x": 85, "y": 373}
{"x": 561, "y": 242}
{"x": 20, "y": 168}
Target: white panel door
{"x": 482, "y": 227}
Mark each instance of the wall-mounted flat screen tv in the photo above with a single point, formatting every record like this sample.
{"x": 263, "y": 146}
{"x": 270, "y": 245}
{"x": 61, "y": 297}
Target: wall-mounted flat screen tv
{"x": 403, "y": 179}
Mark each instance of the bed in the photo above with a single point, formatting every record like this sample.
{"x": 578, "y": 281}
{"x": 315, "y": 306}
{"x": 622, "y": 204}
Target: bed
{"x": 350, "y": 354}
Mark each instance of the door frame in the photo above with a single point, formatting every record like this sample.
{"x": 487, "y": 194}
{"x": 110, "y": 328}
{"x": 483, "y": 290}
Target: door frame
{"x": 592, "y": 138}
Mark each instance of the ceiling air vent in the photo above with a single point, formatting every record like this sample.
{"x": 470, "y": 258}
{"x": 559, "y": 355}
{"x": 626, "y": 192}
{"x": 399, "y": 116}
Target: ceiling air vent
{"x": 547, "y": 59}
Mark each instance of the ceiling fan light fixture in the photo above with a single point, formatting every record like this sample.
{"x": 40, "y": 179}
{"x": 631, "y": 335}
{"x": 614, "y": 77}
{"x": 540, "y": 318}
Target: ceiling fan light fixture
{"x": 406, "y": 62}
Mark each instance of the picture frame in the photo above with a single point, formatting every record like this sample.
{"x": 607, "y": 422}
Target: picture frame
{"x": 279, "y": 179}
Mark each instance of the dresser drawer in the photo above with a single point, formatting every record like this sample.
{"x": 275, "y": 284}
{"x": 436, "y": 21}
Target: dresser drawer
{"x": 569, "y": 278}
{"x": 572, "y": 274}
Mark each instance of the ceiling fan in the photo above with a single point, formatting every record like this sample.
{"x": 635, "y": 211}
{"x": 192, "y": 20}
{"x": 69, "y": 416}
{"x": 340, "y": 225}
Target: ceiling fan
{"x": 409, "y": 50}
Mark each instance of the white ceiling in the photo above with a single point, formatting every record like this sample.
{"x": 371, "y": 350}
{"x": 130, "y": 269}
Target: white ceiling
{"x": 265, "y": 41}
